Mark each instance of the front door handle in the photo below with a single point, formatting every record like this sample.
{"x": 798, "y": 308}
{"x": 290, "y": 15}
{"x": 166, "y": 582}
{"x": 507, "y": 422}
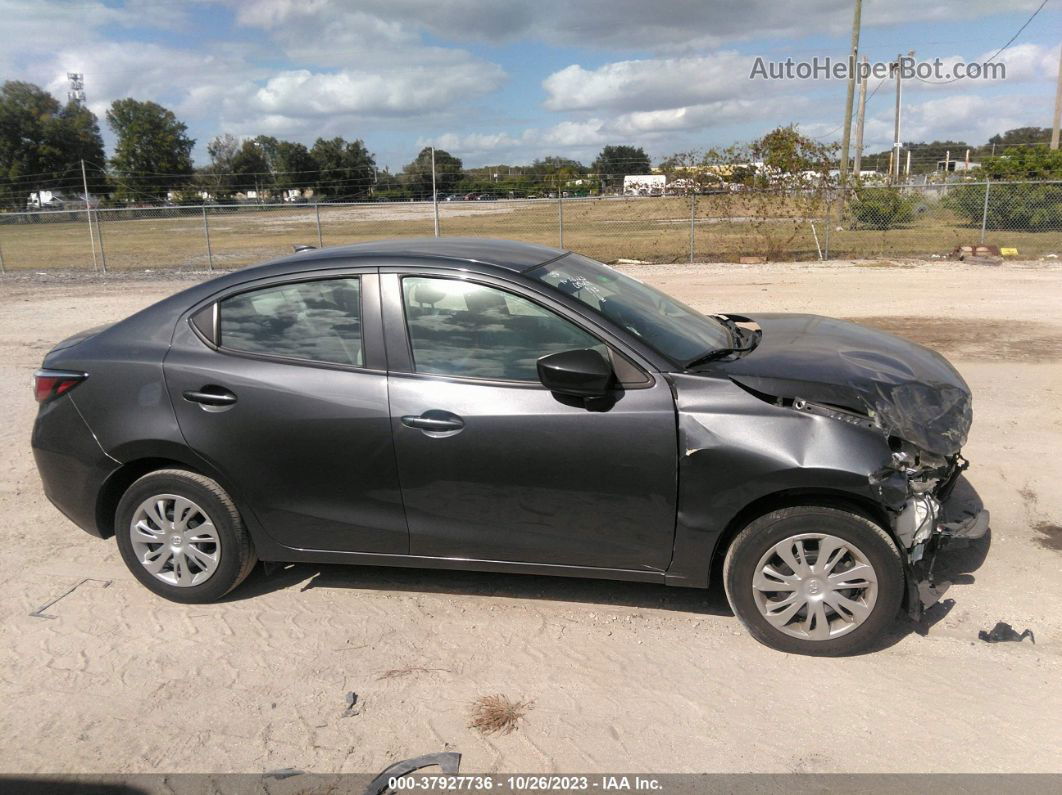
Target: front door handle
{"x": 210, "y": 396}
{"x": 438, "y": 421}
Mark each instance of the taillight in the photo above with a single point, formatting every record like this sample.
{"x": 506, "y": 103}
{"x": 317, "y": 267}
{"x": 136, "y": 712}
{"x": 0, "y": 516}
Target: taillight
{"x": 50, "y": 384}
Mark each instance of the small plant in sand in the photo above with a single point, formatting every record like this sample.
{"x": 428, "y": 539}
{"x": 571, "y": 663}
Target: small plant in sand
{"x": 498, "y": 714}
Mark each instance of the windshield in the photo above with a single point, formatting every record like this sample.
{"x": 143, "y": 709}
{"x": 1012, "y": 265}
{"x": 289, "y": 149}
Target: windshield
{"x": 672, "y": 328}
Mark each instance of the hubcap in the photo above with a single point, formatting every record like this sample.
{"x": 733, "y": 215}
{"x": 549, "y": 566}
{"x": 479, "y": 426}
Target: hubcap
{"x": 815, "y": 586}
{"x": 175, "y": 540}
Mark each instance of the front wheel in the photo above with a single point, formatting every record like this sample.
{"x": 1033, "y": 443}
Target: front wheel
{"x": 814, "y": 580}
{"x": 181, "y": 536}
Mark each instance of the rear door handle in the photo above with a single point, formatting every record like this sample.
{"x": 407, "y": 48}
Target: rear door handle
{"x": 210, "y": 396}
{"x": 426, "y": 422}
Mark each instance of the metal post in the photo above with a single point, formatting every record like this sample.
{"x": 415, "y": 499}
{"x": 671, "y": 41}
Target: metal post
{"x": 560, "y": 216}
{"x": 99, "y": 235}
{"x": 826, "y": 241}
{"x": 897, "y": 145}
{"x": 320, "y": 238}
{"x": 2, "y": 268}
{"x": 88, "y": 217}
{"x": 206, "y": 231}
{"x": 693, "y": 218}
{"x": 984, "y": 212}
{"x": 434, "y": 192}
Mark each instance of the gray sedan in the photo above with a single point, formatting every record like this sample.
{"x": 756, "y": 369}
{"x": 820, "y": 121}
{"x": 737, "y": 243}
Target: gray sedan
{"x": 497, "y": 406}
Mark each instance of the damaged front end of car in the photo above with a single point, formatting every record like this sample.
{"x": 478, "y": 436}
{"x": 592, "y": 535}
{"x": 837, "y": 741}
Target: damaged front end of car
{"x": 929, "y": 511}
{"x": 910, "y": 396}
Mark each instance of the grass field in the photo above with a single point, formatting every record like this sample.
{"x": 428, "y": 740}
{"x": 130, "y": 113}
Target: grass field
{"x": 652, "y": 230}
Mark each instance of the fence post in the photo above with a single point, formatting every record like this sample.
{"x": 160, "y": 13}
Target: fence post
{"x": 693, "y": 217}
{"x": 984, "y": 212}
{"x": 560, "y": 217}
{"x": 317, "y": 210}
{"x": 3, "y": 270}
{"x": 206, "y": 231}
{"x": 88, "y": 216}
{"x": 434, "y": 192}
{"x": 826, "y": 242}
{"x": 99, "y": 236}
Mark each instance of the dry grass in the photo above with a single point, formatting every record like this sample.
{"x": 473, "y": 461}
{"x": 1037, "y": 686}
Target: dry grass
{"x": 652, "y": 230}
{"x": 498, "y": 714}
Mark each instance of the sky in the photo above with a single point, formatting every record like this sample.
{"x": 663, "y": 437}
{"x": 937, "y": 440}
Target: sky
{"x": 501, "y": 81}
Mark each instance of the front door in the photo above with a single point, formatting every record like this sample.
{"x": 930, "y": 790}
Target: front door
{"x": 494, "y": 466}
{"x": 289, "y": 405}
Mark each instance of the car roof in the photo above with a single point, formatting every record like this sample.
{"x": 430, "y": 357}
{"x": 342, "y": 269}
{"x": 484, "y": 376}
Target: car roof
{"x": 509, "y": 255}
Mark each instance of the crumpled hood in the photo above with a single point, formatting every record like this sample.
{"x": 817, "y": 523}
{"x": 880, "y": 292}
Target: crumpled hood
{"x": 915, "y": 392}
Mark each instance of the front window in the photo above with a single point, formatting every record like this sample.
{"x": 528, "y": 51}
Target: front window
{"x": 669, "y": 326}
{"x": 466, "y": 329}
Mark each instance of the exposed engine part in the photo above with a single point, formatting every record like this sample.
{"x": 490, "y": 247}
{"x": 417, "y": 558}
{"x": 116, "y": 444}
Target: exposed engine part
{"x": 916, "y": 522}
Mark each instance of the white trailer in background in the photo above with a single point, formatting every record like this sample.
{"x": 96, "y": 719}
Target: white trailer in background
{"x": 644, "y": 185}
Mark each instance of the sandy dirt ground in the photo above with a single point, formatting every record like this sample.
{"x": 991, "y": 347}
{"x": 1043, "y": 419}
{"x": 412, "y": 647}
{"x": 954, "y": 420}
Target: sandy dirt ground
{"x": 624, "y": 676}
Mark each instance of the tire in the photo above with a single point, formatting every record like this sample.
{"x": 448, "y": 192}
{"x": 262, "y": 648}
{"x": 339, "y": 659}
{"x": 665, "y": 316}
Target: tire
{"x": 199, "y": 547}
{"x": 856, "y": 618}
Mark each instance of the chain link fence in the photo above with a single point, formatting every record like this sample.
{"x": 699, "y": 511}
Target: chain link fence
{"x": 905, "y": 221}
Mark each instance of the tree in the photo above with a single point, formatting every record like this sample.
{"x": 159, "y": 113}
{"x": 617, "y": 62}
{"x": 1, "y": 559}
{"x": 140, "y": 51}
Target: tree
{"x": 42, "y": 144}
{"x": 1021, "y": 135}
{"x": 1023, "y": 163}
{"x": 152, "y": 145}
{"x": 347, "y": 169}
{"x": 1015, "y": 204}
{"x": 251, "y": 168}
{"x": 217, "y": 178}
{"x": 882, "y": 208}
{"x": 785, "y": 152}
{"x": 291, "y": 164}
{"x": 616, "y": 162}
{"x": 75, "y": 136}
{"x": 448, "y": 172}
{"x": 553, "y": 172}
{"x": 777, "y": 199}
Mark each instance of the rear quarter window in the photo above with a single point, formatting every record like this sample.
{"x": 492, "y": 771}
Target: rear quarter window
{"x": 316, "y": 321}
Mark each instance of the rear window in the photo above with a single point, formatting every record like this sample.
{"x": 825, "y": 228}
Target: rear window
{"x": 318, "y": 320}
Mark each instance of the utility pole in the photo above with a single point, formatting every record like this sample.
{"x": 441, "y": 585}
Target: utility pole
{"x": 1058, "y": 107}
{"x": 896, "y": 145}
{"x": 434, "y": 192}
{"x": 857, "y": 165}
{"x": 849, "y": 95}
{"x": 88, "y": 215}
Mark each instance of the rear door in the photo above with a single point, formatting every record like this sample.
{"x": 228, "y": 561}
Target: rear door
{"x": 281, "y": 387}
{"x": 493, "y": 465}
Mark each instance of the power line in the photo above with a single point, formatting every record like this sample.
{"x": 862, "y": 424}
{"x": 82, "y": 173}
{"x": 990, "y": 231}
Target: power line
{"x": 996, "y": 53}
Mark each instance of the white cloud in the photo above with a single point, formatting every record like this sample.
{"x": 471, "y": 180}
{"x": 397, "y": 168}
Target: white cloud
{"x": 650, "y": 84}
{"x": 398, "y": 92}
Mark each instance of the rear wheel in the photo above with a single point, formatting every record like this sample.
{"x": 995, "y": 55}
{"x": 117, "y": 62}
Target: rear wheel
{"x": 814, "y": 580}
{"x": 182, "y": 537}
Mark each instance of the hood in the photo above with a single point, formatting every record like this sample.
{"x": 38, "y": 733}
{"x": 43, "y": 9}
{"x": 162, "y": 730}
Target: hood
{"x": 913, "y": 392}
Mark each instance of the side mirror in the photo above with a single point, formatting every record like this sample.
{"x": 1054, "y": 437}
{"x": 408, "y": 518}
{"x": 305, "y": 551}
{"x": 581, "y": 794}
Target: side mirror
{"x": 580, "y": 373}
